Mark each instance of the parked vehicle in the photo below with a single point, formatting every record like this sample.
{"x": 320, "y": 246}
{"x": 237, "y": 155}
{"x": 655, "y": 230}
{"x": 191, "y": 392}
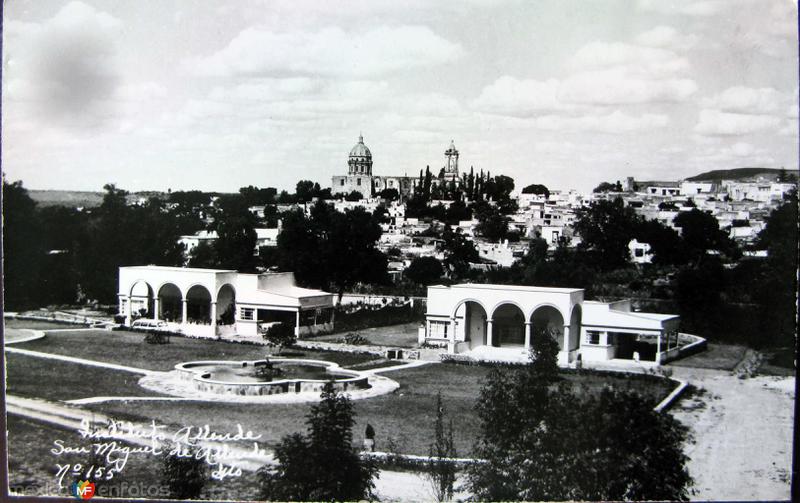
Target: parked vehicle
{"x": 150, "y": 324}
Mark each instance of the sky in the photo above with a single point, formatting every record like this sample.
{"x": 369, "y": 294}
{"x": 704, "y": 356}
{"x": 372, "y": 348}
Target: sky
{"x": 216, "y": 95}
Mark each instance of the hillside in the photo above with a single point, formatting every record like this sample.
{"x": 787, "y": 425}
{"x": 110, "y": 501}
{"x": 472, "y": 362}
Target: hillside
{"x": 79, "y": 198}
{"x": 737, "y": 174}
{"x": 70, "y": 198}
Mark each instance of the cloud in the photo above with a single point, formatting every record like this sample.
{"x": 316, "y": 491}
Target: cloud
{"x": 666, "y": 37}
{"x": 619, "y": 87}
{"x": 328, "y": 52}
{"x": 745, "y": 100}
{"x": 519, "y": 98}
{"x": 615, "y": 122}
{"x": 600, "y": 74}
{"x": 66, "y": 67}
{"x": 717, "y": 123}
{"x": 692, "y": 8}
{"x": 636, "y": 60}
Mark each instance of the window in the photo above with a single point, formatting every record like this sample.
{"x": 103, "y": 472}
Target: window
{"x": 592, "y": 337}
{"x": 438, "y": 329}
{"x": 246, "y": 313}
{"x": 639, "y": 252}
{"x": 358, "y": 181}
{"x": 342, "y": 182}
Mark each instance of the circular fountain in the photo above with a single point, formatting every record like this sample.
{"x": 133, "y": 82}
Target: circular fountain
{"x": 268, "y": 377}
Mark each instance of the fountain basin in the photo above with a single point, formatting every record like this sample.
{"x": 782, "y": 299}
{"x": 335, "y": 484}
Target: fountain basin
{"x": 240, "y": 378}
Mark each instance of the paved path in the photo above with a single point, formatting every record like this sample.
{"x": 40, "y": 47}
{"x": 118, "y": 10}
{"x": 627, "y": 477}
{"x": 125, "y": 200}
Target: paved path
{"x": 80, "y": 361}
{"x": 743, "y": 432}
{"x": 20, "y": 335}
{"x": 403, "y": 366}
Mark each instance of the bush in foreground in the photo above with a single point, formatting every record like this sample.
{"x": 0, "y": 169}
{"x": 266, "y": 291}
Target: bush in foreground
{"x": 321, "y": 465}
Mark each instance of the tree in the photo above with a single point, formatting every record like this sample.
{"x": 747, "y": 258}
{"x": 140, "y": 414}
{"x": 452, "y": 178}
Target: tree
{"x": 332, "y": 249}
{"x": 184, "y": 474}
{"x": 281, "y": 335}
{"x": 236, "y": 236}
{"x": 536, "y": 188}
{"x": 23, "y": 253}
{"x": 354, "y": 196}
{"x": 606, "y": 228}
{"x": 322, "y": 465}
{"x": 608, "y": 187}
{"x": 666, "y": 244}
{"x": 456, "y": 212}
{"x": 441, "y": 472}
{"x": 492, "y": 223}
{"x": 533, "y": 437}
{"x": 700, "y": 232}
{"x": 458, "y": 252}
{"x": 389, "y": 194}
{"x": 424, "y": 270}
{"x": 305, "y": 190}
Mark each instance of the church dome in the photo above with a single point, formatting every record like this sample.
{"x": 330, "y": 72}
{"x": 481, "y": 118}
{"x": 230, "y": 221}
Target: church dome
{"x": 360, "y": 150}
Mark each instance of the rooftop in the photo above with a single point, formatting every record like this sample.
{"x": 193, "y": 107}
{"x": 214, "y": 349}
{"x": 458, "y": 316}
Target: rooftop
{"x": 518, "y": 288}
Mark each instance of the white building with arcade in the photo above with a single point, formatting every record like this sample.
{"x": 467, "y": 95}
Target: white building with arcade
{"x": 498, "y": 320}
{"x": 214, "y": 302}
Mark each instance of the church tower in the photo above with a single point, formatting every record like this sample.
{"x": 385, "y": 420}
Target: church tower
{"x": 451, "y": 162}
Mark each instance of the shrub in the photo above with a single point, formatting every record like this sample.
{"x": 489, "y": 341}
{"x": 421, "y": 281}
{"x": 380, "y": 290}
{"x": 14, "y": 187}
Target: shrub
{"x": 281, "y": 335}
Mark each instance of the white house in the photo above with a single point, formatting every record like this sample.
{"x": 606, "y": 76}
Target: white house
{"x": 640, "y": 252}
{"x": 476, "y": 318}
{"x": 211, "y": 302}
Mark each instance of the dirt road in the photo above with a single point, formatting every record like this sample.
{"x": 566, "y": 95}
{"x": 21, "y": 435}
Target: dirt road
{"x": 743, "y": 432}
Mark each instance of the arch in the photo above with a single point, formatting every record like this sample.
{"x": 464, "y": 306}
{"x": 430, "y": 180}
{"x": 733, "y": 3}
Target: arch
{"x": 474, "y": 322}
{"x": 508, "y": 325}
{"x": 198, "y": 304}
{"x": 142, "y": 299}
{"x": 544, "y": 304}
{"x": 502, "y": 303}
{"x": 548, "y": 317}
{"x": 575, "y": 320}
{"x": 170, "y": 302}
{"x": 464, "y": 301}
{"x": 226, "y": 304}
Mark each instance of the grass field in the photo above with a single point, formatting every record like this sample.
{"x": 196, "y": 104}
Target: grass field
{"x": 129, "y": 348}
{"x": 403, "y": 418}
{"x": 403, "y": 336}
{"x": 38, "y": 325}
{"x": 55, "y": 380}
{"x": 716, "y": 356}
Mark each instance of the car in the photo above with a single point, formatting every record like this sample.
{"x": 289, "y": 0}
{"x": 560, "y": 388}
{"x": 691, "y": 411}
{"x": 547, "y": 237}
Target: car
{"x": 150, "y": 324}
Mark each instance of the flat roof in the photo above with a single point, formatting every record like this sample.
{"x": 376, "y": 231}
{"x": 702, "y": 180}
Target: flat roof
{"x": 172, "y": 268}
{"x": 517, "y": 288}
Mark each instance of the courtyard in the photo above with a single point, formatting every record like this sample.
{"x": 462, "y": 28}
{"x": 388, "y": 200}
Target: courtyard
{"x": 103, "y": 368}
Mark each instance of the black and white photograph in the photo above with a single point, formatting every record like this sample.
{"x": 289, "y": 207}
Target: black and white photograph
{"x": 399, "y": 251}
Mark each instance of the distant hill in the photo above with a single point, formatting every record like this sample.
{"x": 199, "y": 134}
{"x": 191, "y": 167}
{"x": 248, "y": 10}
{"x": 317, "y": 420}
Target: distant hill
{"x": 738, "y": 174}
{"x": 79, "y": 198}
{"x": 70, "y": 198}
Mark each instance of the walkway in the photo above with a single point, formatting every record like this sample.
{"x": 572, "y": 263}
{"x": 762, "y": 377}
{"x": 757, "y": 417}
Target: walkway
{"x": 20, "y": 335}
{"x": 742, "y": 435}
{"x": 80, "y": 361}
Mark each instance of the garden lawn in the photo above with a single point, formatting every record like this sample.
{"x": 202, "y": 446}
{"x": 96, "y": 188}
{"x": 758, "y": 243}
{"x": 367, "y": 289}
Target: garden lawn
{"x": 129, "y": 348}
{"x": 403, "y": 336}
{"x": 36, "y": 377}
{"x": 716, "y": 356}
{"x": 403, "y": 420}
{"x": 32, "y": 467}
{"x": 38, "y": 325}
